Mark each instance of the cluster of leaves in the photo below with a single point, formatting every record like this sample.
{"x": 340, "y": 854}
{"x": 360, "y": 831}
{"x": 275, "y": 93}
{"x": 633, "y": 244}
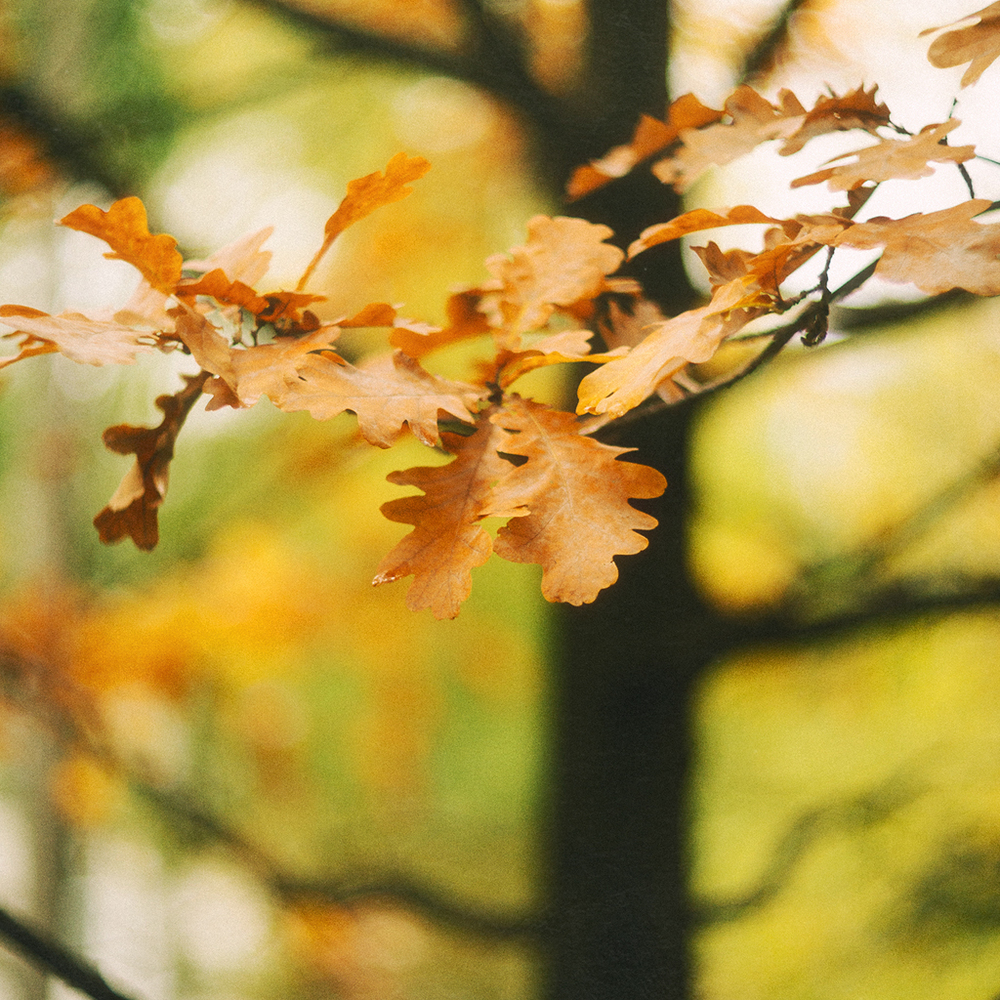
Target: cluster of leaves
{"x": 564, "y": 495}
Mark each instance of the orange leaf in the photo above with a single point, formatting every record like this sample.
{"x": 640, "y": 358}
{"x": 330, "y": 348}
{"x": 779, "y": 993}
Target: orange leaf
{"x": 892, "y": 159}
{"x": 373, "y": 191}
{"x": 386, "y": 393}
{"x": 564, "y": 261}
{"x": 695, "y": 221}
{"x": 578, "y": 497}
{"x": 623, "y": 383}
{"x": 132, "y": 511}
{"x": 937, "y": 252}
{"x": 464, "y": 321}
{"x": 86, "y": 341}
{"x": 125, "y": 229}
{"x": 838, "y": 114}
{"x": 651, "y": 135}
{"x": 217, "y": 286}
{"x": 448, "y": 539}
{"x": 977, "y": 44}
{"x": 753, "y": 120}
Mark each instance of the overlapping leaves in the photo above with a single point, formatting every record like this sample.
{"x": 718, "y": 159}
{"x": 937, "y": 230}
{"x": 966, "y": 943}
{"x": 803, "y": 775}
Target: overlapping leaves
{"x": 565, "y": 497}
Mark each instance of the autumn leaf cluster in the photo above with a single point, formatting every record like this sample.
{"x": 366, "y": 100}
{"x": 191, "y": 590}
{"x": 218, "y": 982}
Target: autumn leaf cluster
{"x": 564, "y": 496}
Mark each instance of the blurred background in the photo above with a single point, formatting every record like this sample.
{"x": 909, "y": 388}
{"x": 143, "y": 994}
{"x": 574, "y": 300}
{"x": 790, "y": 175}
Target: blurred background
{"x": 232, "y": 770}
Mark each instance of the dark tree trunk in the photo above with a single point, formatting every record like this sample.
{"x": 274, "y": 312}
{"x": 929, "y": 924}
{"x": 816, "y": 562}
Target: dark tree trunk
{"x": 624, "y": 667}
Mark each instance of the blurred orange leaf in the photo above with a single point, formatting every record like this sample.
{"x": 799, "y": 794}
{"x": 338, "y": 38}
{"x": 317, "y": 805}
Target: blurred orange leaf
{"x": 977, "y": 44}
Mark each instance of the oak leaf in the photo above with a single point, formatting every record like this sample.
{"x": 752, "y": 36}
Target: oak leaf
{"x": 856, "y": 110}
{"x": 214, "y": 284}
{"x": 977, "y": 44}
{"x": 753, "y": 120}
{"x": 695, "y": 221}
{"x": 892, "y": 159}
{"x": 243, "y": 260}
{"x": 577, "y": 494}
{"x": 368, "y": 193}
{"x": 132, "y": 510}
{"x": 564, "y": 261}
{"x": 651, "y": 135}
{"x": 86, "y": 341}
{"x": 448, "y": 539}
{"x": 386, "y": 394}
{"x": 465, "y": 320}
{"x": 937, "y": 252}
{"x": 693, "y": 336}
{"x": 125, "y": 229}
{"x": 565, "y": 347}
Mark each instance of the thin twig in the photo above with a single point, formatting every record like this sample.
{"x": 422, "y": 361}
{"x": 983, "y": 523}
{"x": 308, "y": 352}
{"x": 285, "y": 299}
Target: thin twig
{"x": 53, "y": 958}
{"x": 762, "y": 57}
{"x": 859, "y": 812}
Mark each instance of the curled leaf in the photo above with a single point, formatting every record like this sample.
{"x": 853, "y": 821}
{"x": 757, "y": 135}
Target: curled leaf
{"x": 132, "y": 510}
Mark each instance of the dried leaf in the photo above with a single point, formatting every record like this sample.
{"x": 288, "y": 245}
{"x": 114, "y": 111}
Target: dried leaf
{"x": 693, "y": 336}
{"x": 695, "y": 221}
{"x": 753, "y": 120}
{"x": 373, "y": 191}
{"x": 448, "y": 539}
{"x": 977, "y": 44}
{"x": 217, "y": 286}
{"x": 892, "y": 159}
{"x": 856, "y": 110}
{"x": 937, "y": 252}
{"x": 578, "y": 497}
{"x": 386, "y": 394}
{"x": 464, "y": 322}
{"x": 243, "y": 259}
{"x": 564, "y": 261}
{"x": 132, "y": 510}
{"x": 86, "y": 341}
{"x": 651, "y": 135}
{"x": 125, "y": 229}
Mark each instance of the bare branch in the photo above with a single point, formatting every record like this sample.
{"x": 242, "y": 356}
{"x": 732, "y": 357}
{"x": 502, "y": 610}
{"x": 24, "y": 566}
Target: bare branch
{"x": 53, "y": 958}
{"x": 760, "y": 60}
{"x": 857, "y": 813}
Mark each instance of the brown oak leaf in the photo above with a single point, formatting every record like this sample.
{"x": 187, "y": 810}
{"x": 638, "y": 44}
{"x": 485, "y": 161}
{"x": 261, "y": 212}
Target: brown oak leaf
{"x": 892, "y": 159}
{"x": 752, "y": 120}
{"x": 243, "y": 260}
{"x": 577, "y": 494}
{"x": 977, "y": 44}
{"x": 214, "y": 284}
{"x": 693, "y": 336}
{"x": 465, "y": 321}
{"x": 374, "y": 190}
{"x": 386, "y": 394}
{"x": 651, "y": 135}
{"x": 86, "y": 341}
{"x": 937, "y": 252}
{"x": 695, "y": 221}
{"x": 132, "y": 510}
{"x": 564, "y": 261}
{"x": 125, "y": 229}
{"x": 856, "y": 110}
{"x": 448, "y": 539}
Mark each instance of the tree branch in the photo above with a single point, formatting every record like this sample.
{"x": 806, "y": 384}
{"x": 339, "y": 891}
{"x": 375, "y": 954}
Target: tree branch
{"x": 389, "y": 887}
{"x": 859, "y": 812}
{"x": 761, "y": 59}
{"x": 53, "y": 958}
{"x": 28, "y": 684}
